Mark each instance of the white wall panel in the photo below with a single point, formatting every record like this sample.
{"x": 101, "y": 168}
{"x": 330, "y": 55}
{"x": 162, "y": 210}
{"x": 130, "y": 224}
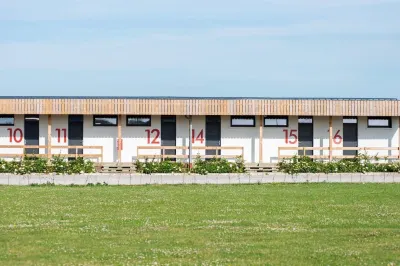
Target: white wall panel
{"x": 274, "y": 137}
{"x": 5, "y": 136}
{"x": 43, "y": 120}
{"x": 246, "y": 137}
{"x": 378, "y": 137}
{"x": 182, "y": 134}
{"x": 59, "y": 123}
{"x": 321, "y": 134}
{"x": 134, "y": 136}
{"x": 105, "y": 136}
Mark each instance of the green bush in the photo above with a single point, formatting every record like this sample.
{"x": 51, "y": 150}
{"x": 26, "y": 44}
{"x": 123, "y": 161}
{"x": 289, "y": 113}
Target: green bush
{"x": 58, "y": 165}
{"x": 359, "y": 164}
{"x": 218, "y": 165}
{"x": 214, "y": 165}
{"x": 167, "y": 166}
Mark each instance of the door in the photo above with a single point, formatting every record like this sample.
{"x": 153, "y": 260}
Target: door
{"x": 213, "y": 134}
{"x": 75, "y": 133}
{"x": 350, "y": 134}
{"x": 306, "y": 134}
{"x": 31, "y": 132}
{"x": 168, "y": 134}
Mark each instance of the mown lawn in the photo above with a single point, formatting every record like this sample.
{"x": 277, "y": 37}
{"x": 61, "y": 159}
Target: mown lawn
{"x": 275, "y": 224}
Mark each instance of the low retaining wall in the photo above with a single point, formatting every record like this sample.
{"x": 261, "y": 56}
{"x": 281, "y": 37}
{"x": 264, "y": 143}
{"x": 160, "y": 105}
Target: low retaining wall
{"x": 142, "y": 179}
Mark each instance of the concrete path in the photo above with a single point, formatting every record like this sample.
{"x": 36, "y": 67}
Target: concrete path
{"x": 141, "y": 179}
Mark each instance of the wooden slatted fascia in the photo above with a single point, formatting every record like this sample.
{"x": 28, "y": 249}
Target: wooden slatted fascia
{"x": 291, "y": 107}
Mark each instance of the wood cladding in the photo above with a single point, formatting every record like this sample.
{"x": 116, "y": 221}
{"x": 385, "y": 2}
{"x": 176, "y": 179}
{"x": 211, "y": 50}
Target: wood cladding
{"x": 120, "y": 106}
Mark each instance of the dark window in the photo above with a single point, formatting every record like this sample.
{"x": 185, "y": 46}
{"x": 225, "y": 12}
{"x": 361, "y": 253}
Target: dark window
{"x": 105, "y": 120}
{"x": 6, "y": 120}
{"x": 349, "y": 120}
{"x": 243, "y": 121}
{"x": 276, "y": 121}
{"x": 138, "y": 120}
{"x": 385, "y": 122}
{"x": 305, "y": 120}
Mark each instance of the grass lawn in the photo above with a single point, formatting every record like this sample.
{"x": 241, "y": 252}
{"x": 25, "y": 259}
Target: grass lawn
{"x": 272, "y": 224}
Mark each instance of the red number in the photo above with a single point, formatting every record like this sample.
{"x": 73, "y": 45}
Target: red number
{"x": 64, "y": 130}
{"x": 13, "y": 136}
{"x": 337, "y": 139}
{"x": 292, "y": 134}
{"x": 155, "y": 139}
{"x": 200, "y": 136}
{"x": 120, "y": 144}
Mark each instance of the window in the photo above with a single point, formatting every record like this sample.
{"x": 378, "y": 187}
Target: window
{"x": 385, "y": 122}
{"x": 349, "y": 120}
{"x": 138, "y": 120}
{"x": 6, "y": 120}
{"x": 276, "y": 121}
{"x": 243, "y": 121}
{"x": 75, "y": 118}
{"x": 105, "y": 120}
{"x": 305, "y": 120}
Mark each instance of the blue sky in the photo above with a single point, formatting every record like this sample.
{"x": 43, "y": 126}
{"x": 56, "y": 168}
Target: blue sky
{"x": 264, "y": 48}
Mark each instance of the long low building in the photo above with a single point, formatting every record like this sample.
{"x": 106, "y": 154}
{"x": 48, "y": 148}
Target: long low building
{"x": 124, "y": 129}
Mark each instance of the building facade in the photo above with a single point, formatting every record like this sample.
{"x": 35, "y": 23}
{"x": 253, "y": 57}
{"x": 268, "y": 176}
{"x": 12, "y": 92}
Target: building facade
{"x": 259, "y": 129}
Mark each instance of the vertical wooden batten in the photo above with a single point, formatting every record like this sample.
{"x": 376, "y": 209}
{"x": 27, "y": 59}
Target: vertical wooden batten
{"x": 330, "y": 138}
{"x": 119, "y": 137}
{"x": 260, "y": 148}
{"x": 49, "y": 123}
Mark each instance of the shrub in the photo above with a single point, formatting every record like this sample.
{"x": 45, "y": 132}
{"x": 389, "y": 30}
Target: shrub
{"x": 167, "y": 166}
{"x": 359, "y": 164}
{"x": 214, "y": 165}
{"x": 58, "y": 165}
{"x": 218, "y": 165}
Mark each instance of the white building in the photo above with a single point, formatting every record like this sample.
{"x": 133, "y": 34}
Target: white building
{"x": 260, "y": 129}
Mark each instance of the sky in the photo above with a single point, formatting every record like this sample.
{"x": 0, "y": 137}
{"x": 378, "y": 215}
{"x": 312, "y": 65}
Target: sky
{"x": 207, "y": 48}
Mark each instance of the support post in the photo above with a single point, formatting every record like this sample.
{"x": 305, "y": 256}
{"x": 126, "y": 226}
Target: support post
{"x": 119, "y": 137}
{"x": 398, "y": 143}
{"x": 260, "y": 148}
{"x": 190, "y": 141}
{"x": 49, "y": 123}
{"x": 330, "y": 138}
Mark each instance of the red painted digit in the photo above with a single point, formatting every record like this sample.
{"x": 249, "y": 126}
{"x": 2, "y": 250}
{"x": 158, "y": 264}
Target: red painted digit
{"x": 13, "y": 136}
{"x": 58, "y": 135}
{"x": 65, "y": 134}
{"x": 155, "y": 139}
{"x": 337, "y": 139}
{"x": 200, "y": 136}
{"x": 64, "y": 130}
{"x": 292, "y": 134}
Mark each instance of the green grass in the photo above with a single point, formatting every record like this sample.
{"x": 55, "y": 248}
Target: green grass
{"x": 285, "y": 224}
